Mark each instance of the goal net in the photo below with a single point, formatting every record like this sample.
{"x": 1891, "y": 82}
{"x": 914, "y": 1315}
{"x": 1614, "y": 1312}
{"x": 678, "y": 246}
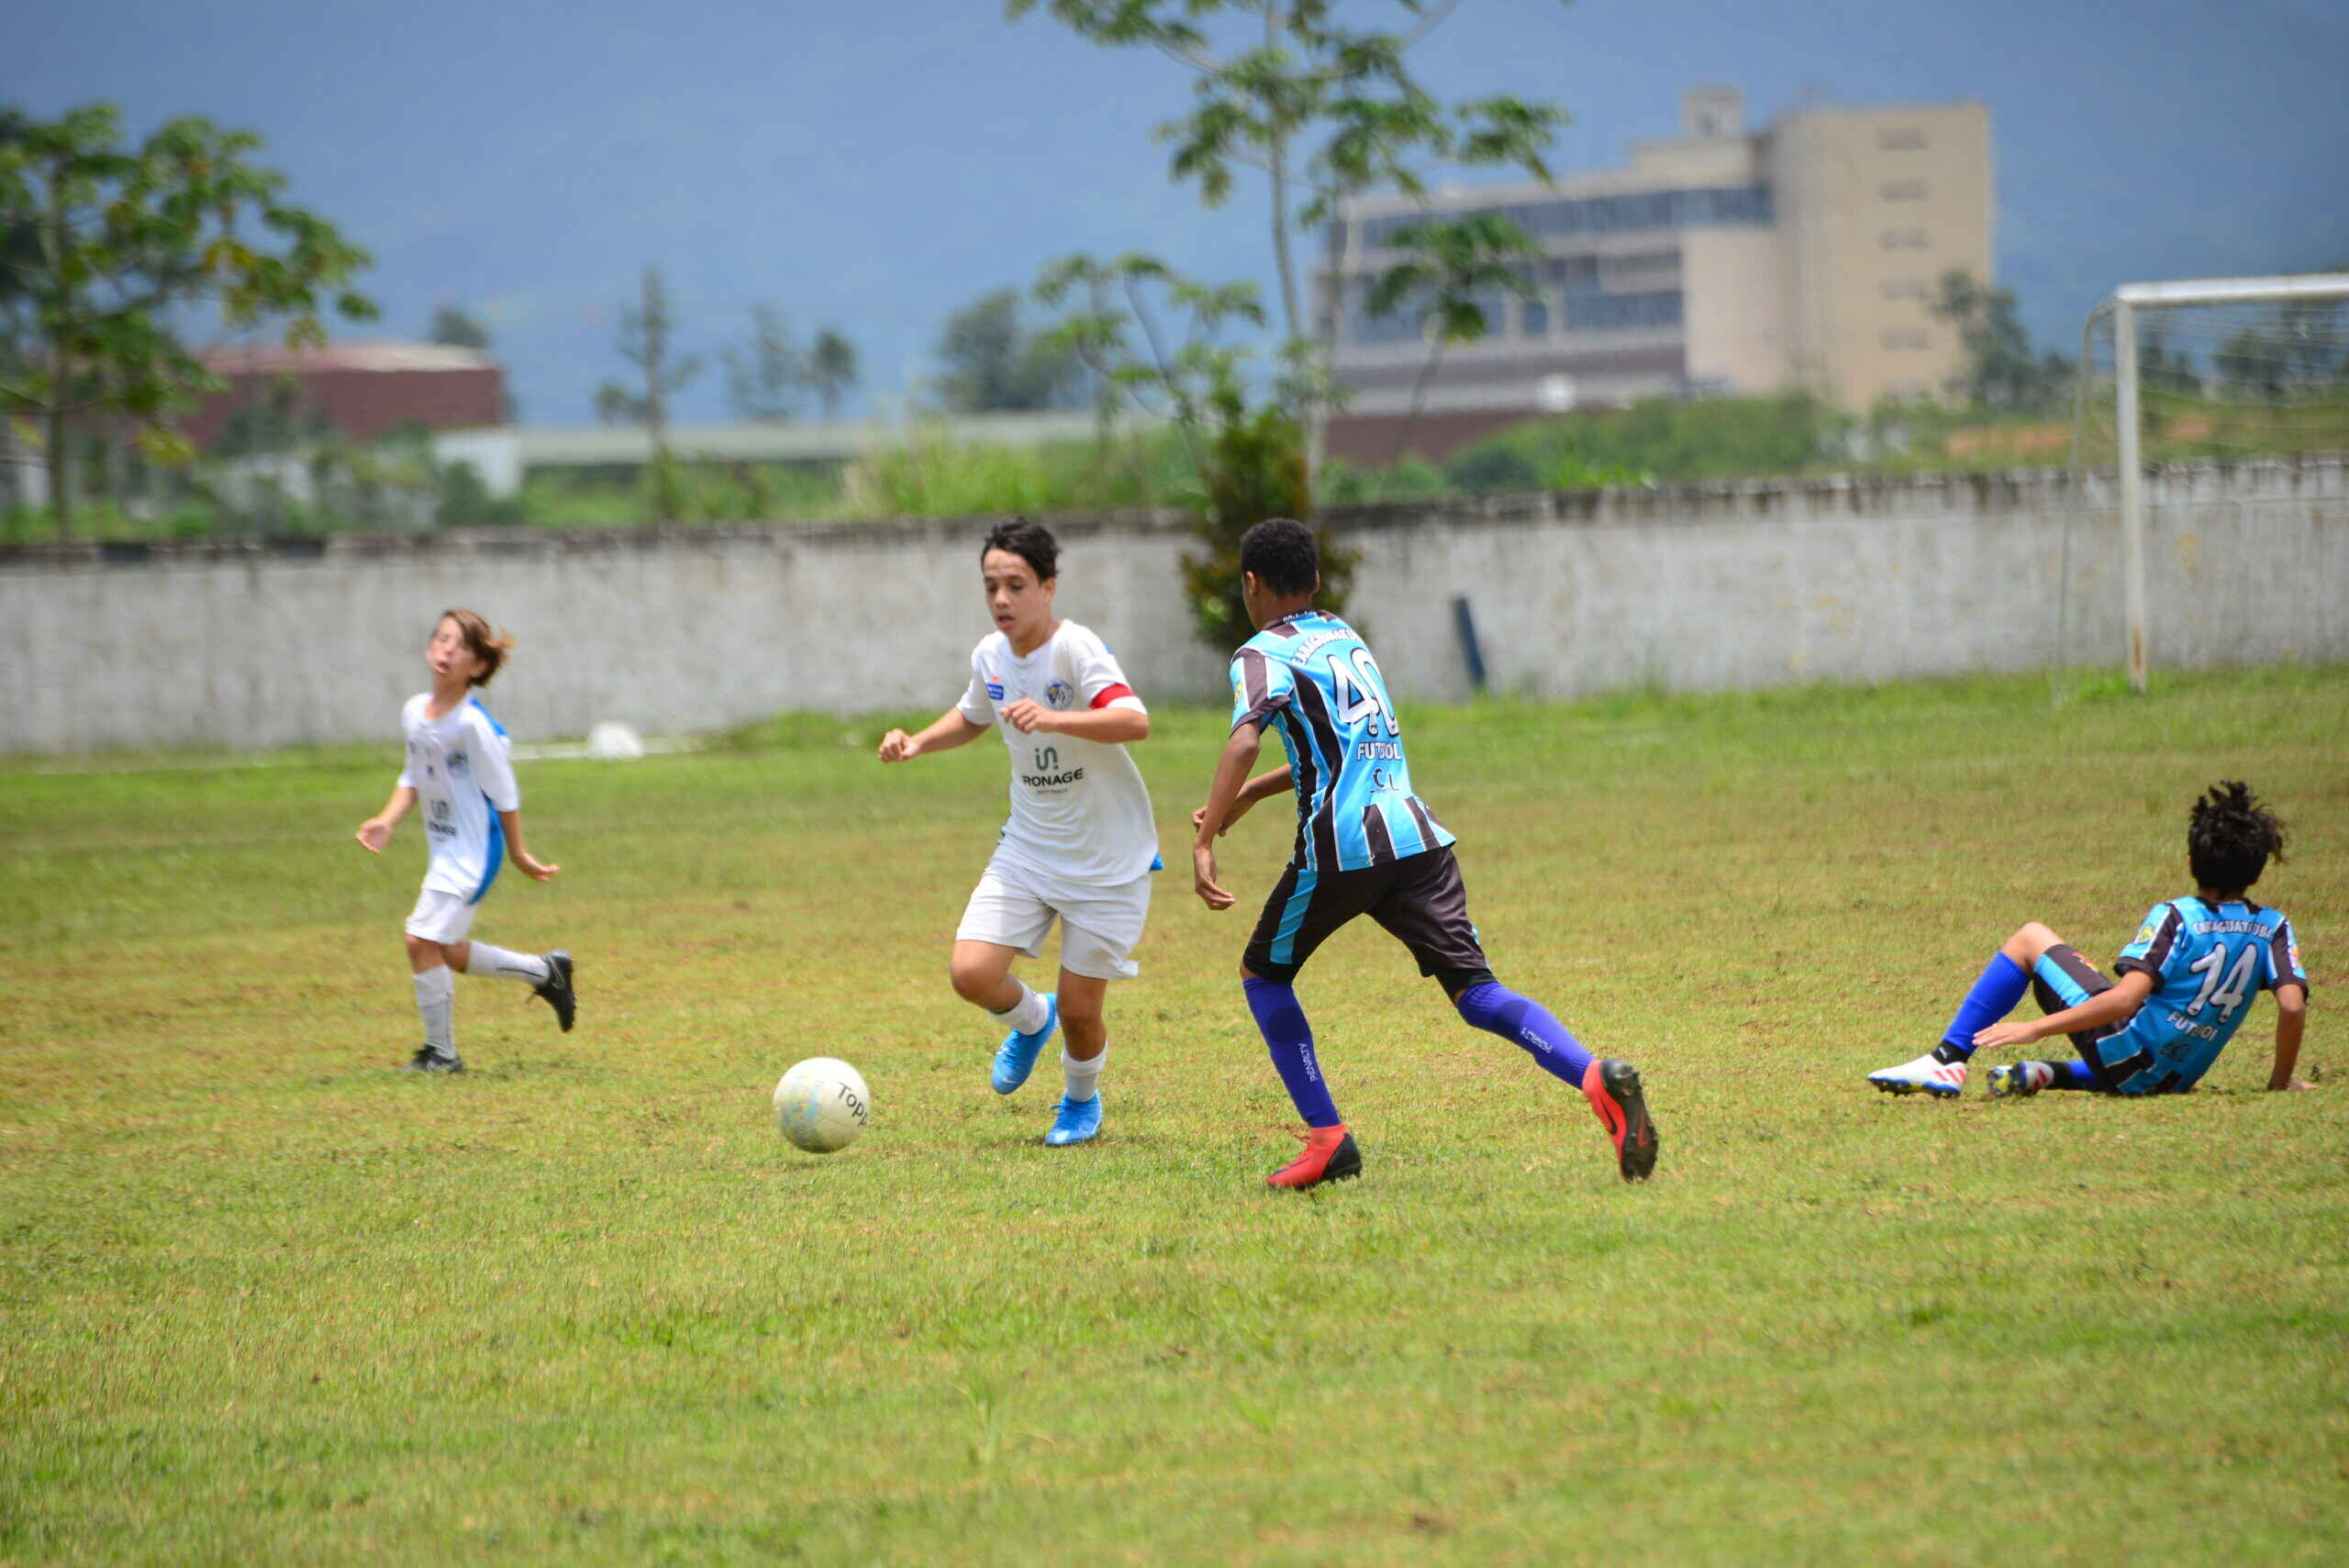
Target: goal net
{"x": 2216, "y": 369}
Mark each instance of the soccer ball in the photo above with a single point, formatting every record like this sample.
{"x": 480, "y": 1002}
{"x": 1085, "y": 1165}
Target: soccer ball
{"x": 821, "y": 1105}
{"x": 612, "y": 742}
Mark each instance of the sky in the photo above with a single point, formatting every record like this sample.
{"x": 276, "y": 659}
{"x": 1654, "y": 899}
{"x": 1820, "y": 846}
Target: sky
{"x": 874, "y": 167}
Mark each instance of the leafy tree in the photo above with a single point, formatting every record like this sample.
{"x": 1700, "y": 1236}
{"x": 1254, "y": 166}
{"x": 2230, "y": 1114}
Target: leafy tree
{"x": 765, "y": 375}
{"x": 993, "y": 362}
{"x": 2001, "y": 371}
{"x": 20, "y": 260}
{"x": 455, "y": 328}
{"x": 132, "y": 247}
{"x": 1154, "y": 340}
{"x": 616, "y": 405}
{"x": 2161, "y": 368}
{"x": 1325, "y": 109}
{"x": 646, "y": 328}
{"x": 1123, "y": 340}
{"x": 2250, "y": 365}
{"x": 2299, "y": 345}
{"x": 1450, "y": 268}
{"x": 832, "y": 369}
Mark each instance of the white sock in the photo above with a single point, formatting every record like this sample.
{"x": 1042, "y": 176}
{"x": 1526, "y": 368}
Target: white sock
{"x": 436, "y": 995}
{"x": 1084, "y": 1078}
{"x": 1027, "y": 1014}
{"x": 486, "y": 960}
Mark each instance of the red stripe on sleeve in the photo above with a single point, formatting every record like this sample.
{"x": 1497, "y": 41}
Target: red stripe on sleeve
{"x": 1109, "y": 694}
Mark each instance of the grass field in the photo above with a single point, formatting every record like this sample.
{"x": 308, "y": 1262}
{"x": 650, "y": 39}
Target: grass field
{"x": 263, "y": 1299}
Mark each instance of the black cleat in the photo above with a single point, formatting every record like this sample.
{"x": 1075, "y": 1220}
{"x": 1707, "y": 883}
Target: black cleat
{"x": 1612, "y": 1087}
{"x": 556, "y": 989}
{"x": 428, "y": 1060}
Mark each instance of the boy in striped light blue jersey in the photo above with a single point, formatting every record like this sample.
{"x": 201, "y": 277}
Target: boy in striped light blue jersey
{"x": 2187, "y": 981}
{"x": 1365, "y": 845}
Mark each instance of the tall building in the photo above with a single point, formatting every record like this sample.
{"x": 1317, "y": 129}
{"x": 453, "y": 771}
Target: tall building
{"x": 1801, "y": 256}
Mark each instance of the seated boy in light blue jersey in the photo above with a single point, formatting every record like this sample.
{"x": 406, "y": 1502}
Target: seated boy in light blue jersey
{"x": 2186, "y": 981}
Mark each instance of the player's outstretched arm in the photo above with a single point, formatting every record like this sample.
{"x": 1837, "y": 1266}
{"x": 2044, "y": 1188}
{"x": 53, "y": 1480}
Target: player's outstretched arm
{"x": 529, "y": 865}
{"x": 1223, "y": 796}
{"x": 1111, "y": 726}
{"x": 1264, "y": 786}
{"x": 948, "y": 730}
{"x": 2291, "y": 1016}
{"x": 2105, "y": 1007}
{"x": 376, "y": 831}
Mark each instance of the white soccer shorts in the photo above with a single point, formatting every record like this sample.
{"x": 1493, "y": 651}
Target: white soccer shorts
{"x": 1099, "y": 929}
{"x": 441, "y": 916}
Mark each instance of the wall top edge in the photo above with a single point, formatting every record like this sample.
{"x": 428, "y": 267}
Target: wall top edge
{"x": 1739, "y": 497}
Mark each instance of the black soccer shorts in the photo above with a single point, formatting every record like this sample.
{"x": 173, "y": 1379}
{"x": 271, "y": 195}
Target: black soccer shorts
{"x": 1418, "y": 899}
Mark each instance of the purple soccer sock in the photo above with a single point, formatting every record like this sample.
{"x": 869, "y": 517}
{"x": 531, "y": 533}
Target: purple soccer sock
{"x": 1290, "y": 1041}
{"x": 1497, "y": 1009}
{"x": 2000, "y": 986}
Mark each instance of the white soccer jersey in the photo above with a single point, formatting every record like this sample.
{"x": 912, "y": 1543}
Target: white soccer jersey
{"x": 460, "y": 767}
{"x": 1080, "y": 814}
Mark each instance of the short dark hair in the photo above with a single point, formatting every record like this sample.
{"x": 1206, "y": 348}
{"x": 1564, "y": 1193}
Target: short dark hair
{"x": 1280, "y": 552}
{"x": 1029, "y": 539}
{"x": 2229, "y": 837}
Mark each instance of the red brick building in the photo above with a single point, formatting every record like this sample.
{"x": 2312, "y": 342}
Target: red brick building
{"x": 360, "y": 390}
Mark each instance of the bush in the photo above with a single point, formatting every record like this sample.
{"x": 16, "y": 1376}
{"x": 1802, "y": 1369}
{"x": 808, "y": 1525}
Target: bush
{"x": 1254, "y": 469}
{"x": 1657, "y": 440}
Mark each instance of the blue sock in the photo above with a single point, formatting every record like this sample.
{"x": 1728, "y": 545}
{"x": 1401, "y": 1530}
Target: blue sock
{"x": 2073, "y": 1075}
{"x": 1993, "y": 997}
{"x": 1290, "y": 1039}
{"x": 1497, "y": 1009}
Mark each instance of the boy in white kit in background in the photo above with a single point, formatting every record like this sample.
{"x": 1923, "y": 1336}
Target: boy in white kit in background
{"x": 459, "y": 769}
{"x": 1080, "y": 844}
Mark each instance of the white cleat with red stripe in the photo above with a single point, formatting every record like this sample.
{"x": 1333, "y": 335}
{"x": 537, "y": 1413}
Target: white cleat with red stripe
{"x": 1942, "y": 1080}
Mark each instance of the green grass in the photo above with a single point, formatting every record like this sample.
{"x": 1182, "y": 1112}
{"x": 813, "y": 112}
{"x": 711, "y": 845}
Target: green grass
{"x": 263, "y": 1299}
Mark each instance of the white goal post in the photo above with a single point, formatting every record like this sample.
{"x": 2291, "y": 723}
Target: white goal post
{"x": 2123, "y": 309}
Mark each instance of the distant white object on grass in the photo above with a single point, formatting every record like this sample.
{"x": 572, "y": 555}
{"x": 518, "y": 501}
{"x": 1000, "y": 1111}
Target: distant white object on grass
{"x": 612, "y": 742}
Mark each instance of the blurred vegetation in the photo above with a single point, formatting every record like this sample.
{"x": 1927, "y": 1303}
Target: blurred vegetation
{"x": 293, "y": 480}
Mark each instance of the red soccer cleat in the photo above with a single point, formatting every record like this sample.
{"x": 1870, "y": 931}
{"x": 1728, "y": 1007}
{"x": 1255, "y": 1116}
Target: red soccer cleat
{"x": 1329, "y": 1156}
{"x": 1613, "y": 1089}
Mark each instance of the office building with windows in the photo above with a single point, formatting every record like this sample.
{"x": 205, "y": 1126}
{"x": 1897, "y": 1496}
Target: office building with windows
{"x": 1804, "y": 255}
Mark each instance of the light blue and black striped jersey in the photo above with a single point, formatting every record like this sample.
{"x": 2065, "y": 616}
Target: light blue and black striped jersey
{"x": 2206, "y": 962}
{"x": 1309, "y": 677}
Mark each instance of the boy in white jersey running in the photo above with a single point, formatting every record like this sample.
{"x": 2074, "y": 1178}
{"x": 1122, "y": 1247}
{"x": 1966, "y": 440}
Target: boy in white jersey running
{"x": 458, "y": 769}
{"x": 1080, "y": 843}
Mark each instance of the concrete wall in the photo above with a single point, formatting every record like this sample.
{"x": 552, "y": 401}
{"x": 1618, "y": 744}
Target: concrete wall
{"x": 1700, "y": 588}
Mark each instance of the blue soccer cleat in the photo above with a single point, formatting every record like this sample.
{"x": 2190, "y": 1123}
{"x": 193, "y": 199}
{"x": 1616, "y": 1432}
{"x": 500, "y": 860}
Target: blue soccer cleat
{"x": 1074, "y": 1121}
{"x": 1016, "y": 1058}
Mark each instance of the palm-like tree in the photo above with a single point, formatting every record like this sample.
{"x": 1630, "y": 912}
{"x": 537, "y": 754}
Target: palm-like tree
{"x": 832, "y": 369}
{"x": 1447, "y": 265}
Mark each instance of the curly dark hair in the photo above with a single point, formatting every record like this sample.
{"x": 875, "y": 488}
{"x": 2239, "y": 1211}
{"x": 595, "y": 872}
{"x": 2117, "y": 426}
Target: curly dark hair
{"x": 2229, "y": 837}
{"x": 1029, "y": 539}
{"x": 1280, "y": 552}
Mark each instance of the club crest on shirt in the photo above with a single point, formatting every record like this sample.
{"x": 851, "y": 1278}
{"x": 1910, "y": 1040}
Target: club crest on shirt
{"x": 995, "y": 691}
{"x": 2144, "y": 937}
{"x": 1058, "y": 694}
